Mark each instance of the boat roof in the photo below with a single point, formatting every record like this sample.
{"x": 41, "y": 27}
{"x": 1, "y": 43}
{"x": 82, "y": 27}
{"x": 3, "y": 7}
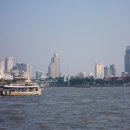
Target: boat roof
{"x": 21, "y": 86}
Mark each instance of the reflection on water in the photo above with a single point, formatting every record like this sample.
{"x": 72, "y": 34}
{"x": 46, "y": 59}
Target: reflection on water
{"x": 68, "y": 109}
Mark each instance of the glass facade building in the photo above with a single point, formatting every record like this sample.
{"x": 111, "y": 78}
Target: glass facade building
{"x": 127, "y": 60}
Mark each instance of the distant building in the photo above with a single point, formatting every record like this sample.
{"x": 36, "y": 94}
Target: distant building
{"x": 1, "y": 69}
{"x": 8, "y": 76}
{"x": 127, "y": 60}
{"x": 82, "y": 75}
{"x": 39, "y": 75}
{"x": 99, "y": 71}
{"x": 124, "y": 74}
{"x": 23, "y": 70}
{"x": 106, "y": 72}
{"x": 8, "y": 64}
{"x": 54, "y": 67}
{"x": 90, "y": 74}
{"x": 112, "y": 70}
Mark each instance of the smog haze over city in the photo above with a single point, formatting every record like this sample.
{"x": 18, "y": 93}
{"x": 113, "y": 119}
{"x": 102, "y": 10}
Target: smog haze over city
{"x": 82, "y": 32}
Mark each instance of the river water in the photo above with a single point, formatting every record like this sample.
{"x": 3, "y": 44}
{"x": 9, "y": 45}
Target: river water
{"x": 60, "y": 108}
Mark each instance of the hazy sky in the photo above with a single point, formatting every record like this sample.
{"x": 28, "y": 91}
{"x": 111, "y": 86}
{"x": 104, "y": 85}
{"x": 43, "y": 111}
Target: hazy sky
{"x": 83, "y": 32}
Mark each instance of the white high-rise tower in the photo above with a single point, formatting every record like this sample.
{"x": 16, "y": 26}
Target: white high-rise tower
{"x": 1, "y": 69}
{"x": 54, "y": 66}
{"x": 99, "y": 71}
{"x": 8, "y": 64}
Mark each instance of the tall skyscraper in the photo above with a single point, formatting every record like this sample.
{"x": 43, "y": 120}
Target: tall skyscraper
{"x": 127, "y": 60}
{"x": 1, "y": 69}
{"x": 99, "y": 71}
{"x": 8, "y": 64}
{"x": 112, "y": 70}
{"x": 54, "y": 66}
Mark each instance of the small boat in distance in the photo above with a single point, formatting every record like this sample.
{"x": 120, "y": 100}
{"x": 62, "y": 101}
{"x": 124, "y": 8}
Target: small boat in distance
{"x": 20, "y": 89}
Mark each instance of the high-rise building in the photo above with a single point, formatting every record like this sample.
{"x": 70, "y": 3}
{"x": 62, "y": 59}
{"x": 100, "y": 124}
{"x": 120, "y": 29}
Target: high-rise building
{"x": 8, "y": 64}
{"x": 39, "y": 75}
{"x": 127, "y": 60}
{"x": 99, "y": 71}
{"x": 23, "y": 70}
{"x": 1, "y": 69}
{"x": 112, "y": 70}
{"x": 106, "y": 72}
{"x": 54, "y": 66}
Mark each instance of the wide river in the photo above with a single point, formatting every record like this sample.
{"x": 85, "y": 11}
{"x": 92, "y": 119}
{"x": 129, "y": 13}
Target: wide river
{"x": 60, "y": 108}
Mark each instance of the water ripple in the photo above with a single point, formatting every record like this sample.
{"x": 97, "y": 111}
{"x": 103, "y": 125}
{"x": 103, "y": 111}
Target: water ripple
{"x": 68, "y": 109}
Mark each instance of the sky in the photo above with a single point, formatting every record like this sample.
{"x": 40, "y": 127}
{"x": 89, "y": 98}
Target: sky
{"x": 82, "y": 32}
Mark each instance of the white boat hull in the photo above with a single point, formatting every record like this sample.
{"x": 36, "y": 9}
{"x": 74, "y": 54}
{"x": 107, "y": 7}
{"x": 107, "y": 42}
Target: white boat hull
{"x": 7, "y": 93}
{"x": 20, "y": 90}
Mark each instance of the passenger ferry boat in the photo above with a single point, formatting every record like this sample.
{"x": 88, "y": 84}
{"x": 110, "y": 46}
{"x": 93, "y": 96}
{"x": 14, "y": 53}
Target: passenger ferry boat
{"x": 16, "y": 89}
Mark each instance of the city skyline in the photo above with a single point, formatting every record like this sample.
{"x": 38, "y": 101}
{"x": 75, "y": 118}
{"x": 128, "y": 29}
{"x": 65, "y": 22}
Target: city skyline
{"x": 101, "y": 70}
{"x": 82, "y": 32}
{"x": 8, "y": 69}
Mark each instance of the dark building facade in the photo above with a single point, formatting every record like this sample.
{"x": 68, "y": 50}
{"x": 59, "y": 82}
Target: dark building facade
{"x": 106, "y": 72}
{"x": 127, "y": 60}
{"x": 112, "y": 70}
